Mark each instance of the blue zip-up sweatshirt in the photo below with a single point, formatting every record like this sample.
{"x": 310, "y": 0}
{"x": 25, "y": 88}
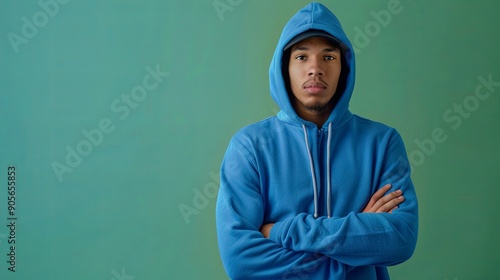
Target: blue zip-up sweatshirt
{"x": 313, "y": 183}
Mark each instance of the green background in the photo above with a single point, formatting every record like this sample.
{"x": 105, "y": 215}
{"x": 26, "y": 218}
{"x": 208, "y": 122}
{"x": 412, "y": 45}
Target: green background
{"x": 116, "y": 215}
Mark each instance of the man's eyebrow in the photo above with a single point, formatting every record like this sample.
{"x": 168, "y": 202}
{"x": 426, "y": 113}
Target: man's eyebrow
{"x": 300, "y": 48}
{"x": 332, "y": 49}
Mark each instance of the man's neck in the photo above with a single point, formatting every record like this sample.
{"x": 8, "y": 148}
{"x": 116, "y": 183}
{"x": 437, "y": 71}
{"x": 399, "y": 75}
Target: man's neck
{"x": 319, "y": 118}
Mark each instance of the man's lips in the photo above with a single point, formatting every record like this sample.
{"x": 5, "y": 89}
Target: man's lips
{"x": 315, "y": 87}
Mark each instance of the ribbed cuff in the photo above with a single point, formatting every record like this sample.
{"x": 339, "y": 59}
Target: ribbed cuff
{"x": 275, "y": 233}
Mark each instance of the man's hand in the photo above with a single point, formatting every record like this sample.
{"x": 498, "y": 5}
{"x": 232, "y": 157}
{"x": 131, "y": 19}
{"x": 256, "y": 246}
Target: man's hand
{"x": 266, "y": 229}
{"x": 380, "y": 203}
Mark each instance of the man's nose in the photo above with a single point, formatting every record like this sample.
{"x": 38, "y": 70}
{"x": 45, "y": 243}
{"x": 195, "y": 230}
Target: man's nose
{"x": 315, "y": 68}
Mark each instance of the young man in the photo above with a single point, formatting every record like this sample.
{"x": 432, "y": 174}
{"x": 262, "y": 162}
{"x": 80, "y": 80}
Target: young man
{"x": 305, "y": 194}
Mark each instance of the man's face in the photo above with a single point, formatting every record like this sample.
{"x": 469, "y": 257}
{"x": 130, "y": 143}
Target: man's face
{"x": 314, "y": 71}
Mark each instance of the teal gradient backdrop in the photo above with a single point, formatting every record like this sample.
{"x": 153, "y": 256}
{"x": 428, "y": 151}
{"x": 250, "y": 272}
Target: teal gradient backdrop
{"x": 133, "y": 103}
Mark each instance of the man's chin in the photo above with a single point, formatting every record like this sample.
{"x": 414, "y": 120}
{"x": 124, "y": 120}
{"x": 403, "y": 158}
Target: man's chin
{"x": 319, "y": 108}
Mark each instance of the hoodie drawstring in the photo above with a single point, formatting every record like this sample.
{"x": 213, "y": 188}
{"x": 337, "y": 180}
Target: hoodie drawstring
{"x": 329, "y": 184}
{"x": 313, "y": 173}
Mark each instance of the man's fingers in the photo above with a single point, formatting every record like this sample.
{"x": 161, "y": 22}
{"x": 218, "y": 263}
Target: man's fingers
{"x": 377, "y": 195}
{"x": 380, "y": 202}
{"x": 380, "y": 193}
{"x": 395, "y": 207}
{"x": 389, "y": 197}
{"x": 388, "y": 206}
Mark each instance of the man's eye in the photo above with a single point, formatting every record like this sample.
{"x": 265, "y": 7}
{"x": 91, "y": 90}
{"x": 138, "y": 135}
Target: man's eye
{"x": 329, "y": 57}
{"x": 300, "y": 57}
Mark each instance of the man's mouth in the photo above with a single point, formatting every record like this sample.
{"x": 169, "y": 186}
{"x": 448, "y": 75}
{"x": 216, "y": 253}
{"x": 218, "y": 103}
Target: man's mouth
{"x": 314, "y": 87}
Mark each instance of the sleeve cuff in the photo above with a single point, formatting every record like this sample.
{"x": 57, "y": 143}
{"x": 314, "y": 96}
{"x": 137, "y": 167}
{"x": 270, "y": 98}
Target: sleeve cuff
{"x": 279, "y": 231}
{"x": 274, "y": 235}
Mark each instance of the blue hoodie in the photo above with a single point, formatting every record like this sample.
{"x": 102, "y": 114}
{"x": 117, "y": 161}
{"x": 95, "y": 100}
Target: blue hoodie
{"x": 313, "y": 183}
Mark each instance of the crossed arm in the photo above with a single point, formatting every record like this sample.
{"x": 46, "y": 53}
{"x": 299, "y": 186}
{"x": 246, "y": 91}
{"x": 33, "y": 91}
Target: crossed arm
{"x": 384, "y": 234}
{"x": 378, "y": 204}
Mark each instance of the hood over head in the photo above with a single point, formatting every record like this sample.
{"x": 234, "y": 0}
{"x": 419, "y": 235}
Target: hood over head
{"x": 314, "y": 16}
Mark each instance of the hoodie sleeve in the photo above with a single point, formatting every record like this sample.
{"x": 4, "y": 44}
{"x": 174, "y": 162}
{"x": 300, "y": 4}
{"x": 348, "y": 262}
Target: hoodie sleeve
{"x": 245, "y": 252}
{"x": 361, "y": 238}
